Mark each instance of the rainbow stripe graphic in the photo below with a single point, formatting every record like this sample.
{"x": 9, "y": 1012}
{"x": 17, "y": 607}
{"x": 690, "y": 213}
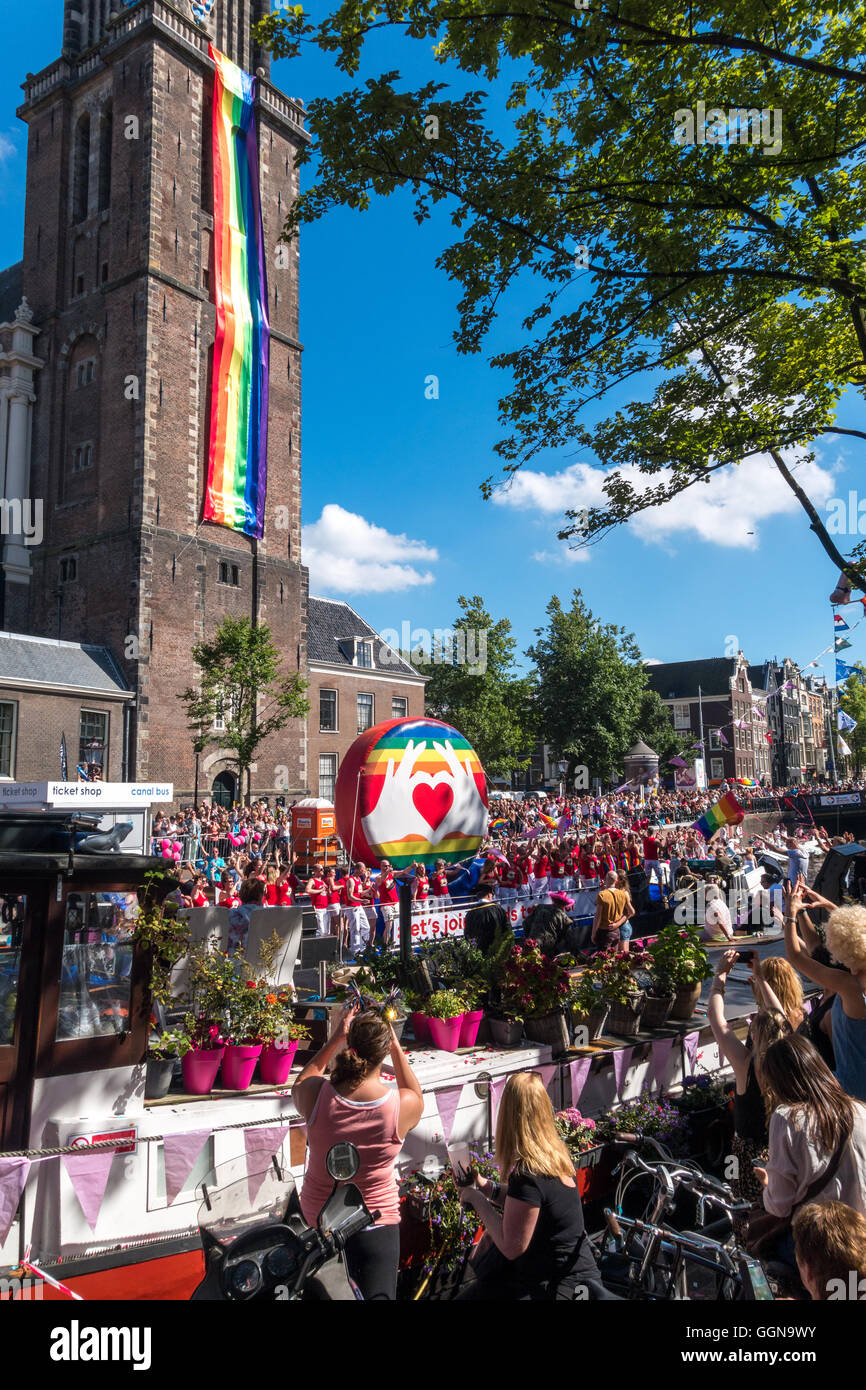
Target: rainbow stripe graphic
{"x": 550, "y": 823}
{"x": 391, "y": 748}
{"x": 727, "y": 811}
{"x": 238, "y": 449}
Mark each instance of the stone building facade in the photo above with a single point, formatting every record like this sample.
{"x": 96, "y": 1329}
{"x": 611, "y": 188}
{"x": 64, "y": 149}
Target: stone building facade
{"x": 107, "y": 387}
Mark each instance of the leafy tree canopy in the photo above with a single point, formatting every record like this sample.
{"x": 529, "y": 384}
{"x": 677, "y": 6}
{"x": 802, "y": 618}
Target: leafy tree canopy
{"x": 722, "y": 282}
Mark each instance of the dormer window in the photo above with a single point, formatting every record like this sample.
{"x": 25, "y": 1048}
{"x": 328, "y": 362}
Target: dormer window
{"x": 363, "y": 653}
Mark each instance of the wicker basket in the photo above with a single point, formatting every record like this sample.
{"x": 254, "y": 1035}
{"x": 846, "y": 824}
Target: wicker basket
{"x": 656, "y": 1011}
{"x": 624, "y": 1019}
{"x": 593, "y": 1022}
{"x": 548, "y": 1028}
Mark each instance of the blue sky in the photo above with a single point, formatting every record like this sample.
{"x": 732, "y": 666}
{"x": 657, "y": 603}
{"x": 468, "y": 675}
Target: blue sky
{"x": 377, "y": 321}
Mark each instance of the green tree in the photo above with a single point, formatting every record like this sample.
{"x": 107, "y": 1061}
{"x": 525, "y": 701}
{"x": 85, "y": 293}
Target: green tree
{"x": 852, "y": 699}
{"x": 590, "y": 691}
{"x": 241, "y": 680}
{"x": 722, "y": 281}
{"x": 473, "y": 685}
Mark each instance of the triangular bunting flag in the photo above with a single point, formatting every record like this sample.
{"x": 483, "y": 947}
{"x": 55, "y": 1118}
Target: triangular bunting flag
{"x": 447, "y": 1102}
{"x": 621, "y": 1059}
{"x": 843, "y": 747}
{"x": 547, "y": 1074}
{"x": 841, "y": 644}
{"x": 261, "y": 1142}
{"x": 496, "y": 1088}
{"x": 181, "y": 1152}
{"x": 690, "y": 1048}
{"x": 839, "y": 623}
{"x": 88, "y": 1172}
{"x": 661, "y": 1053}
{"x": 579, "y": 1072}
{"x": 13, "y": 1176}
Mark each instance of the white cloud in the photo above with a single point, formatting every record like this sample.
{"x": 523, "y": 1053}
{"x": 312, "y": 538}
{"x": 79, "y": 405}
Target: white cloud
{"x": 7, "y": 148}
{"x": 566, "y": 556}
{"x": 652, "y": 661}
{"x": 725, "y": 511}
{"x": 347, "y": 554}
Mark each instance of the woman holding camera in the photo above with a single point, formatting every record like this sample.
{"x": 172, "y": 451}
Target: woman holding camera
{"x": 538, "y": 1249}
{"x": 356, "y": 1106}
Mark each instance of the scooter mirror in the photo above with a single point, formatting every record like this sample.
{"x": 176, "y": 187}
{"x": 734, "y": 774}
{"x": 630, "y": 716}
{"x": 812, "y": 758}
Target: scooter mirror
{"x": 343, "y": 1162}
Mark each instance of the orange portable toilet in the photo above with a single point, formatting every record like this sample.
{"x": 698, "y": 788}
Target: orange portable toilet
{"x": 314, "y": 831}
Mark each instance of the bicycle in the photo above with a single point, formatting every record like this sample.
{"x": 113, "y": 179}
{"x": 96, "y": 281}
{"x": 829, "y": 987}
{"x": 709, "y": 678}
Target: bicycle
{"x": 641, "y": 1258}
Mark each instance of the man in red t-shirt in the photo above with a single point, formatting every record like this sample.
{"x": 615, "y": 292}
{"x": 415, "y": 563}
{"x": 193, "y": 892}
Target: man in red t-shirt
{"x": 353, "y": 910}
{"x": 651, "y": 862}
{"x": 317, "y": 892}
{"x": 389, "y": 898}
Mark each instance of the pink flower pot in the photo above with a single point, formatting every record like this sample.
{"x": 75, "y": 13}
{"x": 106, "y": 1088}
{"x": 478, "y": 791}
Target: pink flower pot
{"x": 445, "y": 1033}
{"x": 199, "y": 1068}
{"x": 469, "y": 1027}
{"x": 275, "y": 1063}
{"x": 420, "y": 1027}
{"x": 239, "y": 1063}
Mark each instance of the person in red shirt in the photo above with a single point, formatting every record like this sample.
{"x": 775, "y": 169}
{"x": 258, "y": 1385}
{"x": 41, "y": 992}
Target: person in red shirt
{"x": 353, "y": 911}
{"x": 389, "y": 898}
{"x": 335, "y": 907}
{"x": 509, "y": 881}
{"x": 199, "y": 896}
{"x": 439, "y": 886}
{"x": 420, "y": 888}
{"x": 317, "y": 892}
{"x": 651, "y": 862}
{"x": 226, "y": 895}
{"x": 277, "y": 890}
{"x": 540, "y": 871}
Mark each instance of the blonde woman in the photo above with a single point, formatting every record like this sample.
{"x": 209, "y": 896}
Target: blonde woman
{"x": 785, "y": 990}
{"x": 538, "y": 1249}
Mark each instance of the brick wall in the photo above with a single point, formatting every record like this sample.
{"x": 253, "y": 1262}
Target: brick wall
{"x": 43, "y": 718}
{"x": 348, "y": 684}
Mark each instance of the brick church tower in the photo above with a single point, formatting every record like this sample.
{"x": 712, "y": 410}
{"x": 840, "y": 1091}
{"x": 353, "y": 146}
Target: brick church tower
{"x": 118, "y": 271}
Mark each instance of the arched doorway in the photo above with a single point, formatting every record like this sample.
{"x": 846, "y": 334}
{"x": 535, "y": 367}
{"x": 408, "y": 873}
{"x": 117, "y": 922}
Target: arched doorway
{"x": 224, "y": 791}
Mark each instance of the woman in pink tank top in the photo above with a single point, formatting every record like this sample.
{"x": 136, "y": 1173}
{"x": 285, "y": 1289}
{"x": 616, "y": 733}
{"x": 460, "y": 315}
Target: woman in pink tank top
{"x": 357, "y": 1107}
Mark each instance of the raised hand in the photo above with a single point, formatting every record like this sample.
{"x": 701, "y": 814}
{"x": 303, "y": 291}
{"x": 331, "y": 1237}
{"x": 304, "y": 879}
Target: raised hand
{"x": 467, "y": 812}
{"x": 395, "y": 816}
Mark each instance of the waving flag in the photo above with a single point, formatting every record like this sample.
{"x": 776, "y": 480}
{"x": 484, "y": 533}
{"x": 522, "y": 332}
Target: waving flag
{"x": 843, "y": 671}
{"x": 843, "y": 747}
{"x": 677, "y": 762}
{"x": 551, "y": 824}
{"x": 844, "y": 721}
{"x": 727, "y": 811}
{"x": 841, "y": 644}
{"x": 839, "y": 623}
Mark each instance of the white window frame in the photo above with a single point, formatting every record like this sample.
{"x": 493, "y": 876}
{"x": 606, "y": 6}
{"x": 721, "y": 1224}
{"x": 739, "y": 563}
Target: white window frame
{"x": 366, "y": 695}
{"x": 13, "y": 743}
{"x": 404, "y": 700}
{"x": 329, "y": 690}
{"x": 335, "y": 763}
{"x": 717, "y": 767}
{"x": 682, "y": 721}
{"x": 100, "y": 714}
{"x": 363, "y": 642}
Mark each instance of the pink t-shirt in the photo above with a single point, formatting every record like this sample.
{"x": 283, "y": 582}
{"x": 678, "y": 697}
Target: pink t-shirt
{"x": 372, "y": 1127}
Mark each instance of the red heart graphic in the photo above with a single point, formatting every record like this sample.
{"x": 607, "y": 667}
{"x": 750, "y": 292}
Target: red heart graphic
{"x": 433, "y": 803}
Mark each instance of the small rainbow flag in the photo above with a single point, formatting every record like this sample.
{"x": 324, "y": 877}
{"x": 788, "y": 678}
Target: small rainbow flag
{"x": 551, "y": 824}
{"x": 498, "y": 824}
{"x": 727, "y": 811}
{"x": 237, "y": 471}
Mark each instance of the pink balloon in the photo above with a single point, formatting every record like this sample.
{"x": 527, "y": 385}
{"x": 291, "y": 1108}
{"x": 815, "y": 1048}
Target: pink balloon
{"x": 165, "y": 846}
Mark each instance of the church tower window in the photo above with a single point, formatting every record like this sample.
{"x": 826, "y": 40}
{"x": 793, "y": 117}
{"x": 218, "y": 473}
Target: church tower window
{"x": 81, "y": 169}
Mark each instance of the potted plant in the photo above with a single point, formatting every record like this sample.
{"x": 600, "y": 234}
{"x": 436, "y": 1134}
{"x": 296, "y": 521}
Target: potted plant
{"x": 589, "y": 1008}
{"x": 660, "y": 996}
{"x": 620, "y": 990}
{"x": 581, "y": 1138}
{"x": 279, "y": 1035}
{"x": 679, "y": 955}
{"x": 439, "y": 1231}
{"x": 541, "y": 985}
{"x": 653, "y": 1119}
{"x": 445, "y": 1015}
{"x": 202, "y": 1062}
{"x": 473, "y": 994}
{"x": 164, "y": 1050}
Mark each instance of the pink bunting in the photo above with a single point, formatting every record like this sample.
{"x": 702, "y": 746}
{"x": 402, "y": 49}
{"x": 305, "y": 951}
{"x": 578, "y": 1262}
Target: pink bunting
{"x": 547, "y": 1074}
{"x": 13, "y": 1176}
{"x": 621, "y": 1061}
{"x": 496, "y": 1088}
{"x": 661, "y": 1053}
{"x": 181, "y": 1152}
{"x": 261, "y": 1144}
{"x": 88, "y": 1172}
{"x": 690, "y": 1047}
{"x": 447, "y": 1102}
{"x": 579, "y": 1072}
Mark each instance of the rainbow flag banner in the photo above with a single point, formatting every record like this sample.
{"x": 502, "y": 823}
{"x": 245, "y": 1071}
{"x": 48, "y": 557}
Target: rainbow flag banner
{"x": 498, "y": 824}
{"x": 727, "y": 811}
{"x": 551, "y": 824}
{"x": 237, "y": 471}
